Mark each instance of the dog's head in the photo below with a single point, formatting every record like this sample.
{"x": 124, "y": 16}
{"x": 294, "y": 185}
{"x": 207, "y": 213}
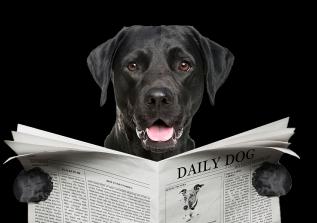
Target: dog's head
{"x": 159, "y": 74}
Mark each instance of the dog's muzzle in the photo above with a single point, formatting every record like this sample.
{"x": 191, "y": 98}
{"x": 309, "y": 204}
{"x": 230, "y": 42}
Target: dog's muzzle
{"x": 159, "y": 137}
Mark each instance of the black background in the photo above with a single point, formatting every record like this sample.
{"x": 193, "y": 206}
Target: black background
{"x": 45, "y": 83}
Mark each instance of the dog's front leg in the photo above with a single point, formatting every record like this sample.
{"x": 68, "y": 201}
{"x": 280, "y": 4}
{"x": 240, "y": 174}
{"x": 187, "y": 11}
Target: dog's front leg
{"x": 33, "y": 185}
{"x": 272, "y": 179}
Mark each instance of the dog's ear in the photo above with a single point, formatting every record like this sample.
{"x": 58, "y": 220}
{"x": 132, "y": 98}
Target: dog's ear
{"x": 100, "y": 63}
{"x": 218, "y": 63}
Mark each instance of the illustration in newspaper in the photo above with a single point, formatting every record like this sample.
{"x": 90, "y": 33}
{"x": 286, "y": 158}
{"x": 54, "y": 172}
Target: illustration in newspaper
{"x": 190, "y": 201}
{"x": 195, "y": 202}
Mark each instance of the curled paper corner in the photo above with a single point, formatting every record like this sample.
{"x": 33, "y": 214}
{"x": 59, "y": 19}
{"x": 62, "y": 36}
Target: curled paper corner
{"x": 15, "y": 157}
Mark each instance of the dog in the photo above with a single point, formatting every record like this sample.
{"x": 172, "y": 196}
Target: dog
{"x": 190, "y": 200}
{"x": 159, "y": 74}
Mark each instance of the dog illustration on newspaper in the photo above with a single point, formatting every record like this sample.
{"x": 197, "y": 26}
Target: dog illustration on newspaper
{"x": 190, "y": 201}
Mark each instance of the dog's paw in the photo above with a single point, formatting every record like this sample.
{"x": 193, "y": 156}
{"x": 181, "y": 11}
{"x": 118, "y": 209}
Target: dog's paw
{"x": 272, "y": 180}
{"x": 33, "y": 185}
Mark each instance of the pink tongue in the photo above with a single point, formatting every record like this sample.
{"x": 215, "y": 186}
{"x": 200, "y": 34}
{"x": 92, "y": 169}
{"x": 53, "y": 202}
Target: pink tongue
{"x": 159, "y": 133}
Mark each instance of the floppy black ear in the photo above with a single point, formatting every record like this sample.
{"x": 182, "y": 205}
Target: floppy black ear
{"x": 100, "y": 63}
{"x": 218, "y": 63}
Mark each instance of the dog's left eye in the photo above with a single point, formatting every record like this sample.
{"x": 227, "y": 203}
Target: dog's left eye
{"x": 184, "y": 66}
{"x": 132, "y": 66}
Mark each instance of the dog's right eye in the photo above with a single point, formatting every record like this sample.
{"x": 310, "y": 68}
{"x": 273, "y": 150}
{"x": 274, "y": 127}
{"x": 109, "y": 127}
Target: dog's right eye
{"x": 132, "y": 66}
{"x": 184, "y": 66}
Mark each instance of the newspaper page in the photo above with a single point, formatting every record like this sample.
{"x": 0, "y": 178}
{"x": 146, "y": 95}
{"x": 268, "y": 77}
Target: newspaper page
{"x": 93, "y": 186}
{"x": 216, "y": 186}
{"x": 209, "y": 184}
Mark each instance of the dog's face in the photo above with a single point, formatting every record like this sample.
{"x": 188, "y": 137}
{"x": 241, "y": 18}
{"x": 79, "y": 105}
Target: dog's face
{"x": 158, "y": 75}
{"x": 158, "y": 81}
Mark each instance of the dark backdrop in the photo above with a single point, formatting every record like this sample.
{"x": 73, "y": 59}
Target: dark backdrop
{"x": 45, "y": 83}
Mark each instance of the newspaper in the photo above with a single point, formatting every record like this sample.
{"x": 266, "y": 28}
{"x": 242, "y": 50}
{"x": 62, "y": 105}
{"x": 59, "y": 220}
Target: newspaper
{"x": 210, "y": 184}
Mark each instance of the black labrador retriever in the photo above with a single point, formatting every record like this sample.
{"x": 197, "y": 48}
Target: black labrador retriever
{"x": 159, "y": 74}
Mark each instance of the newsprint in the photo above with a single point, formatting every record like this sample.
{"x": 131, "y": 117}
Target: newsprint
{"x": 210, "y": 184}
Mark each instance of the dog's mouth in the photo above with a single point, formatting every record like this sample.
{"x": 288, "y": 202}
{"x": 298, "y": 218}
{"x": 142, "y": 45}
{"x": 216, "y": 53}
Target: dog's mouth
{"x": 159, "y": 136}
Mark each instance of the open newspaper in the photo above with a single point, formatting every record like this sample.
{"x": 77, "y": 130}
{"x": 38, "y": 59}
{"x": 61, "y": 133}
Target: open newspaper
{"x": 210, "y": 184}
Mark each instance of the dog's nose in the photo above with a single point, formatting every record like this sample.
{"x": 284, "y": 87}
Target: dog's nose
{"x": 158, "y": 97}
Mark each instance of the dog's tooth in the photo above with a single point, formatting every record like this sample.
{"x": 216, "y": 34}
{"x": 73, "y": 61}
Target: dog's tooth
{"x": 145, "y": 140}
{"x": 174, "y": 135}
{"x": 179, "y": 133}
{"x": 140, "y": 133}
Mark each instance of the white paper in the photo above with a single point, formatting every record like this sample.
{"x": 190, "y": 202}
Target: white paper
{"x": 96, "y": 184}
